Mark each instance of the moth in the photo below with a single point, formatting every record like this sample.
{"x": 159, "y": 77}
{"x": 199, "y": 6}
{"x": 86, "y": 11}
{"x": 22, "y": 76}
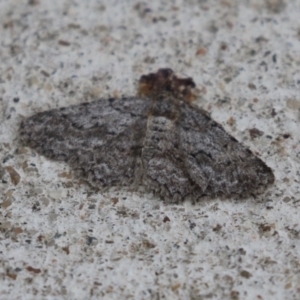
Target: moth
{"x": 158, "y": 139}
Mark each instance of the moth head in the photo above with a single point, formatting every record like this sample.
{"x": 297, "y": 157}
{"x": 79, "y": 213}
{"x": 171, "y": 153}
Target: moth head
{"x": 164, "y": 80}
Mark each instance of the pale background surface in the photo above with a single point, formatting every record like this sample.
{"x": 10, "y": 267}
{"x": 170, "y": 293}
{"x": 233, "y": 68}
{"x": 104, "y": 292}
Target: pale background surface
{"x": 61, "y": 240}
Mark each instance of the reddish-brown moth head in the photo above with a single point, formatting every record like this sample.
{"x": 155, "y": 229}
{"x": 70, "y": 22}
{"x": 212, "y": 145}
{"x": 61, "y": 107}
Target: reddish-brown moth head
{"x": 164, "y": 80}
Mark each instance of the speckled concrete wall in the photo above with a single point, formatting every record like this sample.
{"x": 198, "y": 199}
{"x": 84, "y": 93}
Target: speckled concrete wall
{"x": 60, "y": 239}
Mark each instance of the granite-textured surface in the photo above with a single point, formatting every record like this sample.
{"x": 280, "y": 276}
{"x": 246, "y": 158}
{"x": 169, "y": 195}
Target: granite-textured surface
{"x": 60, "y": 239}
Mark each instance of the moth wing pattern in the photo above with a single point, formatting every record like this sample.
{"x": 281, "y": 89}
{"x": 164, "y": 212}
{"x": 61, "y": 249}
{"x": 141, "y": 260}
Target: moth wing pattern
{"x": 163, "y": 165}
{"x": 215, "y": 160}
{"x": 158, "y": 139}
{"x": 101, "y": 140}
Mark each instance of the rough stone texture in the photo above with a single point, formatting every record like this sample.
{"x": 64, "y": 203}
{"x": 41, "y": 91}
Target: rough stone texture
{"x": 61, "y": 239}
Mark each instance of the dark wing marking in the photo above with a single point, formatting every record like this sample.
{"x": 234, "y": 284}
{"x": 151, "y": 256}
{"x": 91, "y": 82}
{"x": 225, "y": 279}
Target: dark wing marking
{"x": 100, "y": 139}
{"x": 215, "y": 160}
{"x": 164, "y": 169}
